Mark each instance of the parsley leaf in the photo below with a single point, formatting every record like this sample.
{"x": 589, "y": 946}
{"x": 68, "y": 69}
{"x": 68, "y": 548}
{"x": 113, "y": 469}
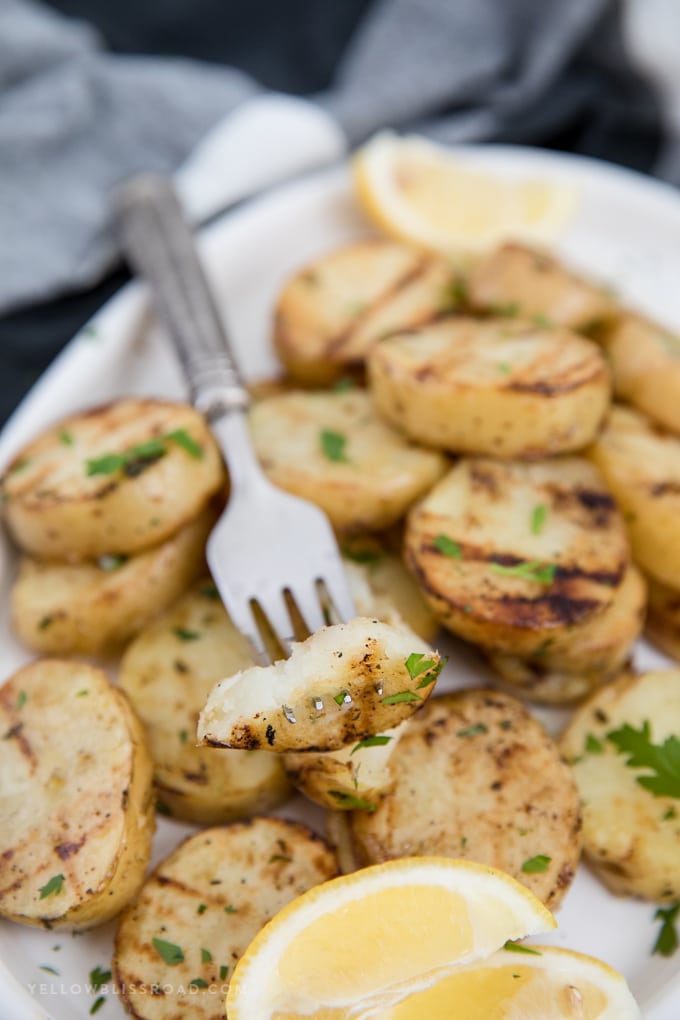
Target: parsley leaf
{"x": 53, "y": 887}
{"x": 170, "y": 953}
{"x": 366, "y": 556}
{"x": 341, "y": 698}
{"x": 667, "y": 939}
{"x": 186, "y": 635}
{"x": 539, "y": 573}
{"x": 448, "y": 547}
{"x": 517, "y": 947}
{"x": 97, "y": 1005}
{"x": 539, "y": 516}
{"x": 110, "y": 563}
{"x": 198, "y": 982}
{"x": 473, "y": 731}
{"x": 377, "y": 741}
{"x": 206, "y": 956}
{"x": 344, "y": 385}
{"x": 224, "y": 970}
{"x": 99, "y": 977}
{"x": 536, "y": 865}
{"x": 66, "y": 438}
{"x": 351, "y": 801}
{"x": 662, "y": 759}
{"x": 593, "y": 745}
{"x": 401, "y": 696}
{"x": 22, "y": 698}
{"x": 183, "y": 439}
{"x": 333, "y": 445}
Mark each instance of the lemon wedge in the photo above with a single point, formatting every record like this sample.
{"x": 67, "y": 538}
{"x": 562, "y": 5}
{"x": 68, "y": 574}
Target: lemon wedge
{"x": 420, "y": 192}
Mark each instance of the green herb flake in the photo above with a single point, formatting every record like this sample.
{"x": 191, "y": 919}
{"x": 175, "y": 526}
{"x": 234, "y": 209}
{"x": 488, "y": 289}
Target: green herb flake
{"x": 280, "y": 857}
{"x": 669, "y": 814}
{"x": 344, "y": 385}
{"x": 662, "y": 759}
{"x": 536, "y": 865}
{"x": 351, "y": 802}
{"x": 209, "y": 591}
{"x": 505, "y": 724}
{"x": 448, "y": 547}
{"x": 65, "y": 438}
{"x": 517, "y": 947}
{"x": 45, "y": 622}
{"x": 542, "y": 321}
{"x": 163, "y": 809}
{"x": 99, "y": 977}
{"x": 201, "y": 908}
{"x": 230, "y": 910}
{"x": 49, "y": 970}
{"x": 535, "y": 571}
{"x": 183, "y": 736}
{"x": 224, "y": 970}
{"x": 400, "y": 698}
{"x": 186, "y": 635}
{"x": 365, "y": 556}
{"x": 667, "y": 939}
{"x": 170, "y": 953}
{"x": 333, "y": 445}
{"x": 111, "y": 563}
{"x": 593, "y": 745}
{"x": 22, "y": 698}
{"x": 509, "y": 310}
{"x": 504, "y": 368}
{"x": 83, "y": 693}
{"x": 181, "y": 438}
{"x": 473, "y": 731}
{"x": 106, "y": 465}
{"x": 206, "y": 956}
{"x": 339, "y": 698}
{"x": 376, "y": 741}
{"x": 18, "y": 465}
{"x": 97, "y": 1004}
{"x": 198, "y": 982}
{"x": 53, "y": 887}
{"x": 539, "y": 516}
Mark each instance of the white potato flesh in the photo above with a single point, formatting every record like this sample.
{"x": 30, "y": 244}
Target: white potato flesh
{"x": 496, "y": 387}
{"x": 631, "y": 833}
{"x": 343, "y": 684}
{"x": 334, "y": 450}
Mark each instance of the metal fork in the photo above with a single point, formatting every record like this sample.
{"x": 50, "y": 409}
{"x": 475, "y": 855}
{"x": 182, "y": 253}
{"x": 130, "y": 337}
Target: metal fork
{"x": 270, "y": 552}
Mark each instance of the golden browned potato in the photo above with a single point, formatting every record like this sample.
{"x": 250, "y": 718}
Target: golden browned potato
{"x": 333, "y": 310}
{"x": 663, "y": 618}
{"x": 623, "y": 748}
{"x": 200, "y": 909}
{"x": 334, "y": 450}
{"x": 475, "y": 776}
{"x": 168, "y": 672}
{"x": 641, "y": 468}
{"x": 517, "y": 280}
{"x": 492, "y": 386}
{"x": 76, "y": 804}
{"x": 111, "y": 481}
{"x": 339, "y": 838}
{"x": 343, "y": 684}
{"x": 645, "y": 363}
{"x": 89, "y": 608}
{"x": 569, "y": 668}
{"x": 510, "y": 554}
{"x": 381, "y": 586}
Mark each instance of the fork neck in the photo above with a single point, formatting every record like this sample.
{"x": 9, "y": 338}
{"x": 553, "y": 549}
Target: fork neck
{"x": 233, "y": 435}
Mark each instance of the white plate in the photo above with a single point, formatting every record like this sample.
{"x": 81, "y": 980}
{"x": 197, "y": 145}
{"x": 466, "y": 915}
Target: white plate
{"x": 626, "y": 231}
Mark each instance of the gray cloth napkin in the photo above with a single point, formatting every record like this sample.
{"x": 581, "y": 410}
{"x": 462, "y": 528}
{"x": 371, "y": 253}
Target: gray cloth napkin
{"x": 75, "y": 120}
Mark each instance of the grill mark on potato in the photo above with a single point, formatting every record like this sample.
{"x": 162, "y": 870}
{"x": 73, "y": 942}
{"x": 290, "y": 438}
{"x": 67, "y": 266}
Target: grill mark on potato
{"x": 572, "y": 380}
{"x": 563, "y": 572}
{"x": 665, "y": 489}
{"x": 68, "y": 849}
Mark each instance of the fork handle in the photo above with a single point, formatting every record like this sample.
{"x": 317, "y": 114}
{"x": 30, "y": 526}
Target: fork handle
{"x": 159, "y": 245}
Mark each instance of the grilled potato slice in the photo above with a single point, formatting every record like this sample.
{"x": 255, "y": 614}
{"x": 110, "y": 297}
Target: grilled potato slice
{"x": 663, "y": 618}
{"x": 168, "y": 672}
{"x": 476, "y": 776}
{"x": 334, "y": 450}
{"x": 111, "y": 481}
{"x": 631, "y": 835}
{"x": 506, "y": 389}
{"x": 589, "y": 654}
{"x": 381, "y": 586}
{"x": 76, "y": 804}
{"x": 90, "y": 608}
{"x": 517, "y": 280}
{"x": 641, "y": 468}
{"x": 355, "y": 777}
{"x": 645, "y": 363}
{"x": 332, "y": 311}
{"x": 177, "y": 945}
{"x": 339, "y": 838}
{"x": 509, "y": 554}
{"x": 341, "y": 685}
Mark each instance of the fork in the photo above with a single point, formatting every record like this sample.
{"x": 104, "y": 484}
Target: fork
{"x": 273, "y": 557}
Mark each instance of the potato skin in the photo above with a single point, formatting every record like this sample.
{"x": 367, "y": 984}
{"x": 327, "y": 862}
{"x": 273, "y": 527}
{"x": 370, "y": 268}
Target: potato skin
{"x": 485, "y": 508}
{"x": 569, "y": 668}
{"x": 331, "y": 312}
{"x": 381, "y": 474}
{"x": 56, "y": 510}
{"x": 88, "y": 609}
{"x": 505, "y": 389}
{"x": 78, "y": 799}
{"x": 214, "y": 892}
{"x": 519, "y": 280}
{"x": 475, "y": 776}
{"x": 645, "y": 364}
{"x": 641, "y": 468}
{"x": 631, "y": 836}
{"x": 167, "y": 673}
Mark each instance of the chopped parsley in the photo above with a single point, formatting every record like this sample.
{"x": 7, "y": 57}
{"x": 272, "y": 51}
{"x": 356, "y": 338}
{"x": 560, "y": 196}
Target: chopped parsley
{"x": 99, "y": 977}
{"x": 593, "y": 745}
{"x": 82, "y": 693}
{"x": 448, "y": 547}
{"x": 198, "y": 982}
{"x": 230, "y": 910}
{"x": 473, "y": 731}
{"x": 186, "y": 635}
{"x": 542, "y": 321}
{"x": 183, "y": 736}
{"x": 504, "y": 368}
{"x": 139, "y": 457}
{"x": 45, "y": 622}
{"x": 669, "y": 814}
{"x": 662, "y": 759}
{"x": 400, "y": 697}
{"x": 97, "y": 1004}
{"x": 22, "y": 698}
{"x": 456, "y": 294}
{"x": 536, "y": 865}
{"x": 539, "y": 573}
{"x": 201, "y": 908}
{"x": 66, "y": 438}
{"x": 53, "y": 887}
{"x": 163, "y": 809}
{"x": 539, "y": 516}
{"x": 182, "y": 438}
{"x": 209, "y": 591}
{"x": 49, "y": 970}
{"x": 340, "y": 698}
{"x": 351, "y": 801}
{"x": 333, "y": 445}
{"x": 667, "y": 939}
{"x": 110, "y": 563}
{"x": 517, "y": 947}
{"x": 344, "y": 385}
{"x": 376, "y": 741}
{"x": 170, "y": 953}
{"x": 366, "y": 556}
{"x": 206, "y": 956}
{"x": 508, "y": 310}
{"x": 224, "y": 970}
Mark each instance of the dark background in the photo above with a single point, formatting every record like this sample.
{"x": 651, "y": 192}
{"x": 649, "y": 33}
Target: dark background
{"x": 297, "y": 53}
